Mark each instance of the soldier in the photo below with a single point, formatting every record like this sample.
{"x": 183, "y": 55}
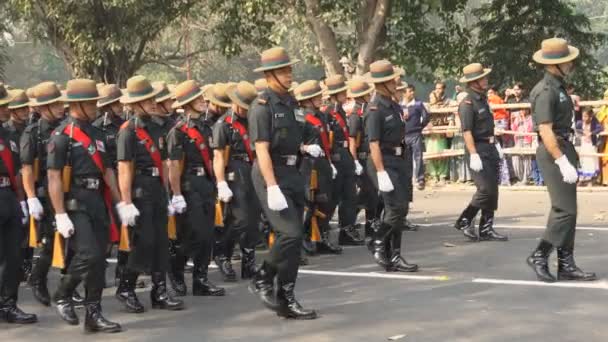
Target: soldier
{"x": 81, "y": 185}
{"x": 552, "y": 111}
{"x": 344, "y": 191}
{"x": 360, "y": 92}
{"x": 384, "y": 132}
{"x": 11, "y": 215}
{"x": 231, "y": 140}
{"x": 260, "y": 85}
{"x": 33, "y": 155}
{"x": 277, "y": 137}
{"x": 33, "y": 115}
{"x": 191, "y": 177}
{"x": 483, "y": 153}
{"x": 141, "y": 150}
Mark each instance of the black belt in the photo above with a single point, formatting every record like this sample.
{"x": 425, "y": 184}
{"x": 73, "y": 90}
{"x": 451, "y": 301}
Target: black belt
{"x": 565, "y": 137}
{"x": 398, "y": 151}
{"x": 5, "y": 182}
{"x": 287, "y": 160}
{"x": 362, "y": 155}
{"x": 336, "y": 157}
{"x": 487, "y": 140}
{"x": 88, "y": 183}
{"x": 240, "y": 156}
{"x": 197, "y": 171}
{"x": 149, "y": 171}
{"x": 41, "y": 192}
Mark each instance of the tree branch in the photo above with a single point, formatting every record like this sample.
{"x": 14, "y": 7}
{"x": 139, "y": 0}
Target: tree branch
{"x": 325, "y": 38}
{"x": 369, "y": 40}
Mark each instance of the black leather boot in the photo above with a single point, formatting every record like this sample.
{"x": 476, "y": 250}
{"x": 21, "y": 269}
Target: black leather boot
{"x": 159, "y": 296}
{"x": 95, "y": 322}
{"x": 325, "y": 246}
{"x": 13, "y": 314}
{"x": 486, "y": 228}
{"x": 77, "y": 299}
{"x": 26, "y": 269}
{"x": 567, "y": 269}
{"x": 262, "y": 284}
{"x": 224, "y": 264}
{"x": 125, "y": 292}
{"x": 201, "y": 286}
{"x": 539, "y": 262}
{"x": 409, "y": 226}
{"x": 290, "y": 308}
{"x": 397, "y": 262}
{"x": 349, "y": 236}
{"x": 176, "y": 272}
{"x": 40, "y": 290}
{"x": 465, "y": 223}
{"x": 379, "y": 246}
{"x": 63, "y": 299}
{"x": 247, "y": 263}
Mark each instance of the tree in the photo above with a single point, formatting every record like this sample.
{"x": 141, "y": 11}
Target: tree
{"x": 510, "y": 31}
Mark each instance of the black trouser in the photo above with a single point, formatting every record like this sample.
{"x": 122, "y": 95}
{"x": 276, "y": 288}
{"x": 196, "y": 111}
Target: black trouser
{"x": 561, "y": 226}
{"x": 150, "y": 240}
{"x": 244, "y": 210}
{"x": 87, "y": 210}
{"x": 46, "y": 231}
{"x": 323, "y": 199}
{"x": 284, "y": 255}
{"x": 11, "y": 233}
{"x": 344, "y": 189}
{"x": 198, "y": 221}
{"x": 486, "y": 181}
{"x": 409, "y": 167}
{"x": 368, "y": 195}
{"x": 415, "y": 144}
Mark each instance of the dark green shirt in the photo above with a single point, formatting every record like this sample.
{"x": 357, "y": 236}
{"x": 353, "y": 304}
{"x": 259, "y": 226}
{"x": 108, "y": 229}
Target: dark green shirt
{"x": 383, "y": 122}
{"x": 551, "y": 104}
{"x": 109, "y": 124}
{"x": 476, "y": 116}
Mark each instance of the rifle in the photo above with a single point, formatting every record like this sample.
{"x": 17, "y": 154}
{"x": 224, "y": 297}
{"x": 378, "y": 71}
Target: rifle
{"x": 60, "y": 249}
{"x": 311, "y": 213}
{"x": 221, "y": 209}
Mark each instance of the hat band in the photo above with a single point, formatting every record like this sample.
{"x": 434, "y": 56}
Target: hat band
{"x": 271, "y": 63}
{"x": 46, "y": 98}
{"x": 18, "y": 103}
{"x": 144, "y": 92}
{"x": 188, "y": 95}
{"x": 109, "y": 98}
{"x": 383, "y": 73}
{"x": 359, "y": 90}
{"x": 474, "y": 74}
{"x": 336, "y": 86}
{"x": 310, "y": 92}
{"x": 240, "y": 98}
{"x": 163, "y": 93}
{"x": 555, "y": 54}
{"x": 81, "y": 96}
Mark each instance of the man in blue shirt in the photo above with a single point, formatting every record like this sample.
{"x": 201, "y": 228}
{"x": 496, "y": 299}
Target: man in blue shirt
{"x": 416, "y": 119}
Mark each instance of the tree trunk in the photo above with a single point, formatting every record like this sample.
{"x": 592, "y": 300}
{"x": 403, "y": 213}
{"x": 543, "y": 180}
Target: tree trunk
{"x": 325, "y": 37}
{"x": 370, "y": 34}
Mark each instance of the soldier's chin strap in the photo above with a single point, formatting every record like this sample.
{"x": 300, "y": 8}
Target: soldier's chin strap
{"x": 278, "y": 81}
{"x": 561, "y": 72}
{"x": 142, "y": 109}
{"x": 83, "y": 111}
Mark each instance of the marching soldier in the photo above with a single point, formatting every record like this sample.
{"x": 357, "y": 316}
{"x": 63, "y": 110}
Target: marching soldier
{"x": 141, "y": 150}
{"x": 384, "y": 132}
{"x": 483, "y": 153}
{"x": 277, "y": 137}
{"x": 33, "y": 153}
{"x": 191, "y": 178}
{"x": 552, "y": 111}
{"x": 233, "y": 174}
{"x": 344, "y": 190}
{"x": 33, "y": 115}
{"x": 81, "y": 186}
{"x": 11, "y": 216}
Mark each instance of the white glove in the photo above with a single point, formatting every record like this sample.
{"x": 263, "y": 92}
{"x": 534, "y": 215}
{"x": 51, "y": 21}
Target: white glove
{"x": 179, "y": 204}
{"x": 475, "y": 163}
{"x": 499, "y": 149}
{"x": 276, "y": 199}
{"x": 334, "y": 172}
{"x": 128, "y": 213}
{"x": 384, "y": 182}
{"x": 223, "y": 192}
{"x": 314, "y": 150}
{"x": 568, "y": 171}
{"x": 358, "y": 168}
{"x": 35, "y": 208}
{"x": 26, "y": 213}
{"x": 170, "y": 209}
{"x": 65, "y": 227}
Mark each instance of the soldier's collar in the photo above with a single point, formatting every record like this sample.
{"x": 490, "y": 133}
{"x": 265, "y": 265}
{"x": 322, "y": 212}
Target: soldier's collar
{"x": 277, "y": 98}
{"x": 554, "y": 79}
{"x": 159, "y": 120}
{"x": 384, "y": 100}
{"x": 474, "y": 94}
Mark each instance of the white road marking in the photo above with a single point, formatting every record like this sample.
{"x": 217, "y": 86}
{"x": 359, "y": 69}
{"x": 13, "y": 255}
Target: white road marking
{"x": 374, "y": 275}
{"x": 512, "y": 226}
{"x": 602, "y": 285}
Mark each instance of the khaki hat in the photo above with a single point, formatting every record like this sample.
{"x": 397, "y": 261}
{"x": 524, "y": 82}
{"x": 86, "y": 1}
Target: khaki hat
{"x": 402, "y": 85}
{"x": 382, "y": 71}
{"x": 81, "y": 90}
{"x": 474, "y": 71}
{"x": 260, "y": 84}
{"x": 555, "y": 51}
{"x": 275, "y": 58}
{"x": 110, "y": 93}
{"x": 165, "y": 93}
{"x": 216, "y": 94}
{"x": 294, "y": 85}
{"x": 358, "y": 88}
{"x": 5, "y": 97}
{"x": 30, "y": 92}
{"x": 139, "y": 89}
{"x": 186, "y": 92}
{"x": 335, "y": 84}
{"x": 308, "y": 90}
{"x": 20, "y": 100}
{"x": 45, "y": 93}
{"x": 242, "y": 94}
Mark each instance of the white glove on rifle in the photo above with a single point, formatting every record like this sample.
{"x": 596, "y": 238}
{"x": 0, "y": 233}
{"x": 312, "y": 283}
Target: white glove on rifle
{"x": 179, "y": 203}
{"x": 475, "y": 163}
{"x": 128, "y": 213}
{"x": 170, "y": 209}
{"x": 314, "y": 150}
{"x": 384, "y": 182}
{"x": 499, "y": 149}
{"x": 26, "y": 213}
{"x": 65, "y": 227}
{"x": 35, "y": 208}
{"x": 334, "y": 172}
{"x": 276, "y": 199}
{"x": 223, "y": 192}
{"x": 568, "y": 171}
{"x": 358, "y": 168}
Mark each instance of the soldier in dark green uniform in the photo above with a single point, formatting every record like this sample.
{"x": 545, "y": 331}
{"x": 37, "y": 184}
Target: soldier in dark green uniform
{"x": 82, "y": 213}
{"x": 552, "y": 112}
{"x": 483, "y": 154}
{"x": 233, "y": 176}
{"x": 11, "y": 230}
{"x": 278, "y": 184}
{"x": 141, "y": 152}
{"x": 191, "y": 178}
{"x": 384, "y": 127}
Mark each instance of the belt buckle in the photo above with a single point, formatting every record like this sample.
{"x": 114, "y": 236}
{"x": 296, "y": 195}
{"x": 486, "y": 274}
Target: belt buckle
{"x": 4, "y": 182}
{"x": 200, "y": 171}
{"x": 230, "y": 176}
{"x": 345, "y": 144}
{"x": 491, "y": 140}
{"x": 398, "y": 151}
{"x": 291, "y": 159}
{"x": 155, "y": 172}
{"x": 92, "y": 183}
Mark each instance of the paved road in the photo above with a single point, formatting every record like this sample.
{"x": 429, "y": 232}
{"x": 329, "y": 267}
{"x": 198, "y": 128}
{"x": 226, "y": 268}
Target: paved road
{"x": 464, "y": 291}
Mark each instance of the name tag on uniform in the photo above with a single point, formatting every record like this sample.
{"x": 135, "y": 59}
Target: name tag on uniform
{"x": 279, "y": 115}
{"x": 482, "y": 110}
{"x": 76, "y": 144}
{"x": 14, "y": 147}
{"x": 345, "y": 144}
{"x": 562, "y": 97}
{"x": 388, "y": 118}
{"x": 100, "y": 146}
{"x": 291, "y": 160}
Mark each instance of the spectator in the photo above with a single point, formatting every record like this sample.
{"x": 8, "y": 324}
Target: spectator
{"x": 502, "y": 122}
{"x": 459, "y": 170}
{"x": 602, "y": 118}
{"x": 521, "y": 122}
{"x": 587, "y": 130}
{"x": 416, "y": 119}
{"x": 576, "y": 100}
{"x": 437, "y": 143}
